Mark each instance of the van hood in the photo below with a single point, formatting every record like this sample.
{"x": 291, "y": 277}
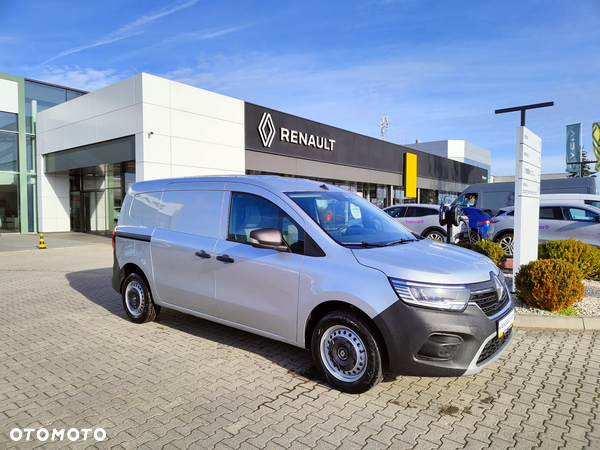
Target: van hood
{"x": 428, "y": 261}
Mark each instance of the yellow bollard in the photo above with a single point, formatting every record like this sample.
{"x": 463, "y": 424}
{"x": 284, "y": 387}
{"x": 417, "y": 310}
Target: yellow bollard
{"x": 42, "y": 243}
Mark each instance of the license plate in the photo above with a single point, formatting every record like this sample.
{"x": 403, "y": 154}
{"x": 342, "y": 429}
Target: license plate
{"x": 506, "y": 323}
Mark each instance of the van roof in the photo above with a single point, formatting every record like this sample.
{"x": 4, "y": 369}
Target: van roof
{"x": 271, "y": 182}
{"x": 569, "y": 196}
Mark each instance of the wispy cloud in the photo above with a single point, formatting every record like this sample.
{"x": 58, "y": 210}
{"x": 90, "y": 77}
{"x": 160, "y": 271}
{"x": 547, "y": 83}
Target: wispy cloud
{"x": 200, "y": 36}
{"x": 102, "y": 41}
{"x": 77, "y": 77}
{"x": 7, "y": 39}
{"x": 126, "y": 31}
{"x": 431, "y": 92}
{"x": 153, "y": 16}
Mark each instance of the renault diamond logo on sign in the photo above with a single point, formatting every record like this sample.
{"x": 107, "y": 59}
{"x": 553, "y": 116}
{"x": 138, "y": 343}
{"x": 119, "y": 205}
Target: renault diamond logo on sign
{"x": 267, "y": 132}
{"x": 266, "y": 129}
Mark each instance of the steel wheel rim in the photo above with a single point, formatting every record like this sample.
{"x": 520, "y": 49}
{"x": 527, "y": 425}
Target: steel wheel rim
{"x": 343, "y": 353}
{"x": 507, "y": 244}
{"x": 135, "y": 299}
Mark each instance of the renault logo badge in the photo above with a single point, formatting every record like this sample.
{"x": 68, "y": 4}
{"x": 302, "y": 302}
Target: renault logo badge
{"x": 498, "y": 286}
{"x": 266, "y": 129}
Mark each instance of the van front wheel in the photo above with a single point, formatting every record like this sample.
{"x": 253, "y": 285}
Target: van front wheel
{"x": 346, "y": 352}
{"x": 137, "y": 300}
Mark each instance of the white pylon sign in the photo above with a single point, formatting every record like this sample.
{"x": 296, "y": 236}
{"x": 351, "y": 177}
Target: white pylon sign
{"x": 527, "y": 197}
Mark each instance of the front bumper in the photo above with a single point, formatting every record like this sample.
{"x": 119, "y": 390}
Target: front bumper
{"x": 408, "y": 330}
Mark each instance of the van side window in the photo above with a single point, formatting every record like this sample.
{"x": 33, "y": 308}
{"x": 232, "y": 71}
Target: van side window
{"x": 144, "y": 208}
{"x": 191, "y": 212}
{"x": 249, "y": 212}
{"x": 467, "y": 200}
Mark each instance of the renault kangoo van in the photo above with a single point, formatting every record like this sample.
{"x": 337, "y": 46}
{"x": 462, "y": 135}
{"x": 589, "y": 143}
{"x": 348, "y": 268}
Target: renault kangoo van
{"x": 314, "y": 266}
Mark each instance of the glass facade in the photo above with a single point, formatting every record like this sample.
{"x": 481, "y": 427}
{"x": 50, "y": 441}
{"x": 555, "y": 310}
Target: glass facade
{"x": 39, "y": 97}
{"x": 9, "y": 202}
{"x": 375, "y": 193}
{"x": 475, "y": 163}
{"x": 18, "y": 167}
{"x": 8, "y": 122}
{"x": 9, "y": 167}
{"x": 381, "y": 195}
{"x": 96, "y": 195}
{"x": 9, "y": 151}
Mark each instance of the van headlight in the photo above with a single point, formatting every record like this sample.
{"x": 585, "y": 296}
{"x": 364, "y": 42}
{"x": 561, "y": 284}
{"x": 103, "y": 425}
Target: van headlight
{"x": 449, "y": 298}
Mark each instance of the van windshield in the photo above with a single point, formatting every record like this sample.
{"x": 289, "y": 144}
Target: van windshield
{"x": 351, "y": 220}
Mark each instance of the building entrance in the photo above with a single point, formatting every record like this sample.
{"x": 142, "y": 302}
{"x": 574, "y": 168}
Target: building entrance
{"x": 96, "y": 194}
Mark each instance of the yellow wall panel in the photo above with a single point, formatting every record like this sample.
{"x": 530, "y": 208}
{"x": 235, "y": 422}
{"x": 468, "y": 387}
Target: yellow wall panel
{"x": 410, "y": 175}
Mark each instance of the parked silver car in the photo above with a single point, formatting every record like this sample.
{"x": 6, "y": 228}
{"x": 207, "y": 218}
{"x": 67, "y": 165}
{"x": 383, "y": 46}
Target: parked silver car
{"x": 314, "y": 266}
{"x": 423, "y": 220}
{"x": 558, "y": 220}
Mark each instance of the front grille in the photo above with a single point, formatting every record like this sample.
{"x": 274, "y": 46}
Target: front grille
{"x": 493, "y": 346}
{"x": 487, "y": 300}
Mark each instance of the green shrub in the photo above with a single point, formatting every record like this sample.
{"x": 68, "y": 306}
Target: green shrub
{"x": 492, "y": 250}
{"x": 551, "y": 284}
{"x": 583, "y": 256}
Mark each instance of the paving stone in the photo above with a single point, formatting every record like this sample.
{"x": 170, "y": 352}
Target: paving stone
{"x": 70, "y": 359}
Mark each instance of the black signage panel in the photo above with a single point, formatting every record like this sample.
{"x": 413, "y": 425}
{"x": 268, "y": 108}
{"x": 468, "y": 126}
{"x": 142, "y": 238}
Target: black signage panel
{"x": 271, "y": 131}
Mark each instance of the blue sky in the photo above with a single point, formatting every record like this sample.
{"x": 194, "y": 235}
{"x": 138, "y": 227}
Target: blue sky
{"x": 439, "y": 69}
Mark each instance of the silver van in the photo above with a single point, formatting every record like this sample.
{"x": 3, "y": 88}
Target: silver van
{"x": 314, "y": 266}
{"x": 501, "y": 196}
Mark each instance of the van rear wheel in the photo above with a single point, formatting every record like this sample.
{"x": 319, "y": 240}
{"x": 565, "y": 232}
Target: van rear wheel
{"x": 137, "y": 300}
{"x": 346, "y": 351}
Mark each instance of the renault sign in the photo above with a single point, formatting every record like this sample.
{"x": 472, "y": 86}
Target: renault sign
{"x": 267, "y": 131}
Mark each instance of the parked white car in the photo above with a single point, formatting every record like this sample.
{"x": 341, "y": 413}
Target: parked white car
{"x": 558, "y": 220}
{"x": 585, "y": 199}
{"x": 423, "y": 219}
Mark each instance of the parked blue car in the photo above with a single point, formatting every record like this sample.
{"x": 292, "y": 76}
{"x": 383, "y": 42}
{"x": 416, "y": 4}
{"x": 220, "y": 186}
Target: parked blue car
{"x": 479, "y": 221}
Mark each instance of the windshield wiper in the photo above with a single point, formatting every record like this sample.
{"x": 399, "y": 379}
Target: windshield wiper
{"x": 399, "y": 241}
{"x": 363, "y": 244}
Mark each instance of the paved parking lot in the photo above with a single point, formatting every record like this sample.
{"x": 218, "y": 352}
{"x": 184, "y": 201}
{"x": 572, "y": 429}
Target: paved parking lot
{"x": 70, "y": 360}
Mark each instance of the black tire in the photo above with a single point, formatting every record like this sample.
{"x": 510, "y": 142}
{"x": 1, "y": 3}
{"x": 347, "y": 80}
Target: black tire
{"x": 347, "y": 352}
{"x": 474, "y": 236}
{"x": 436, "y": 235}
{"x": 507, "y": 242}
{"x": 137, "y": 299}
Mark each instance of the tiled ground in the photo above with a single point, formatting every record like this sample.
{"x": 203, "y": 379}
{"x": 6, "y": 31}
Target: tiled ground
{"x": 70, "y": 359}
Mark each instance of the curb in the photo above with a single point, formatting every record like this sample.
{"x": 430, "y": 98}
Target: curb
{"x": 557, "y": 322}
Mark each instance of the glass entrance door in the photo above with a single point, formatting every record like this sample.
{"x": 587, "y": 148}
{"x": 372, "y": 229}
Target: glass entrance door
{"x": 95, "y": 212}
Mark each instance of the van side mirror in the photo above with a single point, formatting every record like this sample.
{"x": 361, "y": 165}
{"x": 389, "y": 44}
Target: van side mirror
{"x": 270, "y": 238}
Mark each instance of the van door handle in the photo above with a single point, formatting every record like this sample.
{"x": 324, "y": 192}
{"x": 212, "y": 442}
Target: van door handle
{"x": 225, "y": 258}
{"x": 202, "y": 254}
